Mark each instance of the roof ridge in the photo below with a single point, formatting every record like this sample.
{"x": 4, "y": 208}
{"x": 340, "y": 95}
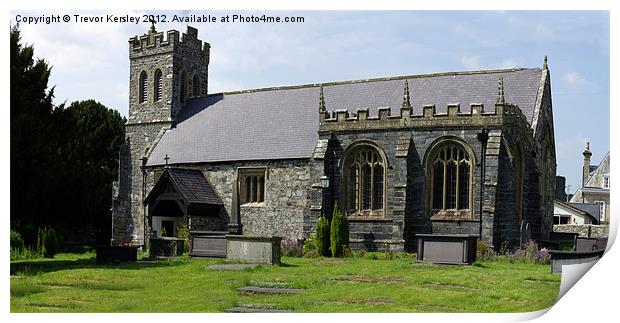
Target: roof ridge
{"x": 377, "y": 79}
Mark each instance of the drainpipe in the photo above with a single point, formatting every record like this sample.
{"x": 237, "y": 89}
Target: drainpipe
{"x": 332, "y": 161}
{"x": 144, "y": 212}
{"x": 483, "y": 137}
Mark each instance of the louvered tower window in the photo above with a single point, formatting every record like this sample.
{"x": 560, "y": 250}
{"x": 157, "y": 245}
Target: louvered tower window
{"x": 158, "y": 85}
{"x": 143, "y": 87}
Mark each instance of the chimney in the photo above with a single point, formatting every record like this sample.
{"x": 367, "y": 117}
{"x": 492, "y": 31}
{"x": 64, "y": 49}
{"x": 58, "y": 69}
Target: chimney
{"x": 586, "y": 165}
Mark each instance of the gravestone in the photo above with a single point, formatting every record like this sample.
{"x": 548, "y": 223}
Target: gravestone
{"x": 447, "y": 249}
{"x": 525, "y": 233}
{"x": 254, "y": 249}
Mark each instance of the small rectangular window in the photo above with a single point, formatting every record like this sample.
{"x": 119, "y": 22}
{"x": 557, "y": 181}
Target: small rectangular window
{"x": 252, "y": 185}
{"x": 606, "y": 181}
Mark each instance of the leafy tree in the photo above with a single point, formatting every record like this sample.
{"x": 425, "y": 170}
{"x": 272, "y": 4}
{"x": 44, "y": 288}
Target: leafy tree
{"x": 89, "y": 151}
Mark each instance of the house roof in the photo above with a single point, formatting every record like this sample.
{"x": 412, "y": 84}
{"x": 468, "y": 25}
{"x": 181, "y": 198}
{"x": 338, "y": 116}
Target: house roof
{"x": 599, "y": 170}
{"x": 189, "y": 183}
{"x": 592, "y": 209}
{"x": 282, "y": 123}
{"x": 587, "y": 209}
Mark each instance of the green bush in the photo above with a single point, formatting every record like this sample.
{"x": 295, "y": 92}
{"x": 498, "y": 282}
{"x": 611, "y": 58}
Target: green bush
{"x": 485, "y": 251}
{"x": 339, "y": 233}
{"x": 309, "y": 244}
{"x": 47, "y": 242}
{"x": 23, "y": 253}
{"x": 321, "y": 242}
{"x": 183, "y": 233}
{"x": 16, "y": 240}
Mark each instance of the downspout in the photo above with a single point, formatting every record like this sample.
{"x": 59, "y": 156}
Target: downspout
{"x": 144, "y": 212}
{"x": 483, "y": 137}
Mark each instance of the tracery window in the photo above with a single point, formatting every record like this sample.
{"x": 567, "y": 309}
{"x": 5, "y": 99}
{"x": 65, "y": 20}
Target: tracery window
{"x": 365, "y": 177}
{"x": 451, "y": 176}
{"x": 158, "y": 85}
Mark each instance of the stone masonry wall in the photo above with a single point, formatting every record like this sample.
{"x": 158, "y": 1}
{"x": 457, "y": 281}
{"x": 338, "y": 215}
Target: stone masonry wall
{"x": 173, "y": 55}
{"x": 596, "y": 231}
{"x": 287, "y": 188}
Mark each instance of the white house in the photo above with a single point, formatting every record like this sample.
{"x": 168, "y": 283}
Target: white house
{"x": 575, "y": 213}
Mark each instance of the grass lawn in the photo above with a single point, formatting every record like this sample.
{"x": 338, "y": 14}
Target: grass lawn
{"x": 74, "y": 283}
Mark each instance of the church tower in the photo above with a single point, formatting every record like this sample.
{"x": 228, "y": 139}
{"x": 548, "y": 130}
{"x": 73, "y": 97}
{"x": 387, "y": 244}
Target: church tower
{"x": 164, "y": 72}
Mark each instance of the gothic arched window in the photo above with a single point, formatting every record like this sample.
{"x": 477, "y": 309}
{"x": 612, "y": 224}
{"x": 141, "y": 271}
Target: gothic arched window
{"x": 158, "y": 90}
{"x": 143, "y": 87}
{"x": 364, "y": 177}
{"x": 450, "y": 180}
{"x": 196, "y": 86}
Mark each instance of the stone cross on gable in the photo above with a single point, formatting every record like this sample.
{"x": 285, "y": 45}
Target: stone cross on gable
{"x": 166, "y": 159}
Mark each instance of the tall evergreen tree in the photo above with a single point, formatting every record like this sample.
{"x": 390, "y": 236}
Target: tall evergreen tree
{"x": 63, "y": 160}
{"x": 89, "y": 151}
{"x": 31, "y": 150}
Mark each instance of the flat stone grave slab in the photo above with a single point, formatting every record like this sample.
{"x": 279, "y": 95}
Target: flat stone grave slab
{"x": 232, "y": 266}
{"x": 373, "y": 279}
{"x": 371, "y": 301}
{"x": 267, "y": 284}
{"x": 253, "y": 310}
{"x": 449, "y": 286}
{"x": 269, "y": 290}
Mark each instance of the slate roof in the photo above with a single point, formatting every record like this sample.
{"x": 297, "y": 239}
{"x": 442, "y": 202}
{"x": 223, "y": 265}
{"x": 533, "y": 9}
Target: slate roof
{"x": 592, "y": 209}
{"x": 587, "y": 209}
{"x": 190, "y": 183}
{"x": 282, "y": 123}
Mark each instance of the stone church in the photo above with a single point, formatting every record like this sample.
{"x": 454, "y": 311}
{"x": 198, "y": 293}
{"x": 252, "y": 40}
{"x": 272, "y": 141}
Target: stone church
{"x": 450, "y": 153}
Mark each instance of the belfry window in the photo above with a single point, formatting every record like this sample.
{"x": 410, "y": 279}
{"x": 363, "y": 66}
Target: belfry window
{"x": 143, "y": 87}
{"x": 158, "y": 90}
{"x": 450, "y": 179}
{"x": 364, "y": 177}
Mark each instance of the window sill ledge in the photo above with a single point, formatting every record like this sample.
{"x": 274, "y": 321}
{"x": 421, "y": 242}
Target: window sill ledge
{"x": 367, "y": 219}
{"x": 253, "y": 204}
{"x": 455, "y": 216}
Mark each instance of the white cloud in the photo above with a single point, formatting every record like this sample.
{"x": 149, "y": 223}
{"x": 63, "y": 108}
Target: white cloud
{"x": 574, "y": 79}
{"x": 471, "y": 62}
{"x": 476, "y": 63}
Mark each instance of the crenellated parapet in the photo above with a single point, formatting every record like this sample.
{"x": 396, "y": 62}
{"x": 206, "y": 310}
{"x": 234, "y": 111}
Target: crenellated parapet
{"x": 475, "y": 115}
{"x": 156, "y": 42}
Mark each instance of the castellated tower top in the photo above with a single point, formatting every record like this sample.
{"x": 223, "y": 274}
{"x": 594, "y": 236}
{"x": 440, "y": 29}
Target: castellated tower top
{"x": 155, "y": 42}
{"x": 166, "y": 69}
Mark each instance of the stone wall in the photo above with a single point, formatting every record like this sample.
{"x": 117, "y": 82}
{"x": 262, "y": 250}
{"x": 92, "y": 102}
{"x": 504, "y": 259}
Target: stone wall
{"x": 287, "y": 188}
{"x": 596, "y": 231}
{"x": 173, "y": 55}
{"x": 128, "y": 217}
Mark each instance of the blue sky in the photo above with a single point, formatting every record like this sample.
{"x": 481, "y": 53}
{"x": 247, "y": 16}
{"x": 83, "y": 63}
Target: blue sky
{"x": 90, "y": 60}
